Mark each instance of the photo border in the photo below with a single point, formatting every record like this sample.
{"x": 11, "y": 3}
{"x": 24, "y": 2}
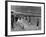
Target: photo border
{"x": 6, "y": 17}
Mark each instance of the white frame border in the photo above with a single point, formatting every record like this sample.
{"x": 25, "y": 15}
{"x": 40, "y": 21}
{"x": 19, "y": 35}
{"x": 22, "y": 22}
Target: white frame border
{"x": 25, "y": 32}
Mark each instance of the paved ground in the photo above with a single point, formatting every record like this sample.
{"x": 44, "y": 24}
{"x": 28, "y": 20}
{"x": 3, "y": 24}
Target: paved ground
{"x": 23, "y": 25}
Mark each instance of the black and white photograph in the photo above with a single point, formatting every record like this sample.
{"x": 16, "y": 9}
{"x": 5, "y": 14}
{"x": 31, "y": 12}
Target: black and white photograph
{"x": 25, "y": 18}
